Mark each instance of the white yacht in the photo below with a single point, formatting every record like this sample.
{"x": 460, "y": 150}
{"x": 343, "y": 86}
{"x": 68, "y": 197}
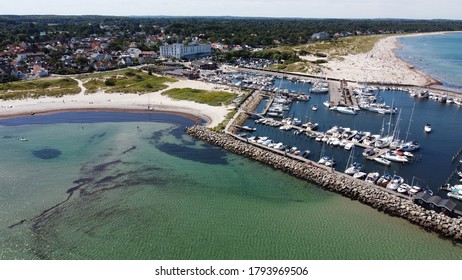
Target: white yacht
{"x": 395, "y": 182}
{"x": 395, "y": 157}
{"x": 346, "y": 110}
{"x": 382, "y": 161}
{"x": 372, "y": 177}
{"x": 427, "y": 128}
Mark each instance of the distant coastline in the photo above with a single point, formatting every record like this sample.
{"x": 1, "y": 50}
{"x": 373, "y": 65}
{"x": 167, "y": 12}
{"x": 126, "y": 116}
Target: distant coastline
{"x": 433, "y": 81}
{"x": 382, "y": 65}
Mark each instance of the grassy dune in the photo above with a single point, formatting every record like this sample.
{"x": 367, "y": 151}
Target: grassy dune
{"x": 213, "y": 98}
{"x": 332, "y": 50}
{"x": 125, "y": 81}
{"x": 38, "y": 88}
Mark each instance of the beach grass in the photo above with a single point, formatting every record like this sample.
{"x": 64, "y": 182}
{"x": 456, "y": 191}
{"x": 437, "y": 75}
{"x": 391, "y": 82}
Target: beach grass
{"x": 125, "y": 81}
{"x": 38, "y": 88}
{"x": 342, "y": 46}
{"x": 213, "y": 98}
{"x": 222, "y": 125}
{"x": 321, "y": 52}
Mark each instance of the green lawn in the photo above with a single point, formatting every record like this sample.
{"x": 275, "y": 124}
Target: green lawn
{"x": 125, "y": 81}
{"x": 213, "y": 98}
{"x": 38, "y": 88}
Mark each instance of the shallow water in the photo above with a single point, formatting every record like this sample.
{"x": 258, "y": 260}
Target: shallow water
{"x": 138, "y": 188}
{"x": 437, "y": 55}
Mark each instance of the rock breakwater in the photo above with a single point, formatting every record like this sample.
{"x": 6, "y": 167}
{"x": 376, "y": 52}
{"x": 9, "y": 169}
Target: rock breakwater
{"x": 366, "y": 193}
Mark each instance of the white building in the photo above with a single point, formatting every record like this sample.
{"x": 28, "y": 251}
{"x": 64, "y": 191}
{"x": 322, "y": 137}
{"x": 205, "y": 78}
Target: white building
{"x": 193, "y": 50}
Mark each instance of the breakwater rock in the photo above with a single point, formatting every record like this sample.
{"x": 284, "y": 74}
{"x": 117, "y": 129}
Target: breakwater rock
{"x": 366, "y": 193}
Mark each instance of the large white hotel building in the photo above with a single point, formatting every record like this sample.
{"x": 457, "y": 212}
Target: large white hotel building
{"x": 190, "y": 51}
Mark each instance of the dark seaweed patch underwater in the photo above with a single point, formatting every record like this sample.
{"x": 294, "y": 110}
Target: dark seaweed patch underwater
{"x": 46, "y": 153}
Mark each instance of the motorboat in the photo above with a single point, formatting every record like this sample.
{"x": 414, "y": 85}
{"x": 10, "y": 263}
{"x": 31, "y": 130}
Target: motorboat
{"x": 393, "y": 156}
{"x": 449, "y": 188}
{"x": 348, "y": 146}
{"x": 369, "y": 152}
{"x": 384, "y": 180}
{"x": 279, "y": 146}
{"x": 292, "y": 150}
{"x": 403, "y": 188}
{"x": 414, "y": 189}
{"x": 305, "y": 154}
{"x": 248, "y": 128}
{"x": 383, "y": 142}
{"x": 296, "y": 122}
{"x": 262, "y": 139}
{"x": 320, "y": 87}
{"x": 410, "y": 146}
{"x": 330, "y": 162}
{"x": 457, "y": 194}
{"x": 336, "y": 142}
{"x": 323, "y": 160}
{"x": 372, "y": 177}
{"x": 314, "y": 108}
{"x": 353, "y": 168}
{"x": 395, "y": 182}
{"x": 346, "y": 110}
{"x": 382, "y": 161}
{"x": 359, "y": 175}
{"x": 427, "y": 128}
{"x": 22, "y": 139}
{"x": 252, "y": 139}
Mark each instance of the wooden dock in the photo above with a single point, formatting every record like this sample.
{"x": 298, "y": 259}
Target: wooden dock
{"x": 339, "y": 93}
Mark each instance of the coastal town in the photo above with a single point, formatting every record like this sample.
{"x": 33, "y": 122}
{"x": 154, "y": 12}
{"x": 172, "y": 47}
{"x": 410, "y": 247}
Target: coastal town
{"x": 365, "y": 124}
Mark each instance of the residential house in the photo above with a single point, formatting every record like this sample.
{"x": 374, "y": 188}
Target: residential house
{"x": 320, "y": 36}
{"x": 147, "y": 57}
{"x": 134, "y": 52}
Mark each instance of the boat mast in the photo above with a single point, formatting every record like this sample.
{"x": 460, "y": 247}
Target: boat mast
{"x": 391, "y": 115}
{"x": 383, "y": 128}
{"x": 396, "y": 129}
{"x": 410, "y": 121}
{"x": 350, "y": 158}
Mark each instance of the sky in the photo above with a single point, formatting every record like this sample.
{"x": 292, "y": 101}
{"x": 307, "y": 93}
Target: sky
{"x": 409, "y": 9}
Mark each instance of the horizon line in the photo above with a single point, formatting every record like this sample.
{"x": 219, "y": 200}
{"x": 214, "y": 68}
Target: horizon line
{"x": 227, "y": 16}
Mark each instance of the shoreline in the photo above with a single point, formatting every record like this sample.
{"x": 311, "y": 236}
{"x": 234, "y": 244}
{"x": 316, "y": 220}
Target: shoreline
{"x": 197, "y": 119}
{"x": 431, "y": 81}
{"x": 101, "y": 101}
{"x": 383, "y": 65}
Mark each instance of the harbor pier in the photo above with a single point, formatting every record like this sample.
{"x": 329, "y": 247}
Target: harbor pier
{"x": 376, "y": 197}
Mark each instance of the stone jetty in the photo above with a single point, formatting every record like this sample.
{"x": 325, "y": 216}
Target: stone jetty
{"x": 365, "y": 193}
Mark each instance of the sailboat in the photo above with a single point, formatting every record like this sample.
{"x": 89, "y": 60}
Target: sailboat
{"x": 351, "y": 166}
{"x": 385, "y": 141}
{"x": 409, "y": 146}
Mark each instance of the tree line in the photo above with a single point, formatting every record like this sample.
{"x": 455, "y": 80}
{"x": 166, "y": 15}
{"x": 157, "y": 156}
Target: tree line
{"x": 254, "y": 32}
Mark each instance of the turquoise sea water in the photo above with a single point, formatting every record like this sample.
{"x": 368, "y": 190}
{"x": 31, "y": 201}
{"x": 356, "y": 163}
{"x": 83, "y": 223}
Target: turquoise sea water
{"x": 134, "y": 186}
{"x": 437, "y": 55}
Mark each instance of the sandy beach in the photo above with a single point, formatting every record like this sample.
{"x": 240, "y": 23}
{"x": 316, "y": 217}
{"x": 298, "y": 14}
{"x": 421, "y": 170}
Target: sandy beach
{"x": 380, "y": 65}
{"x": 213, "y": 115}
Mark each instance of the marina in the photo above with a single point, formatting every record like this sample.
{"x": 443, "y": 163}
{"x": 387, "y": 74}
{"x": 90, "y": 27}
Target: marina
{"x": 390, "y": 137}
